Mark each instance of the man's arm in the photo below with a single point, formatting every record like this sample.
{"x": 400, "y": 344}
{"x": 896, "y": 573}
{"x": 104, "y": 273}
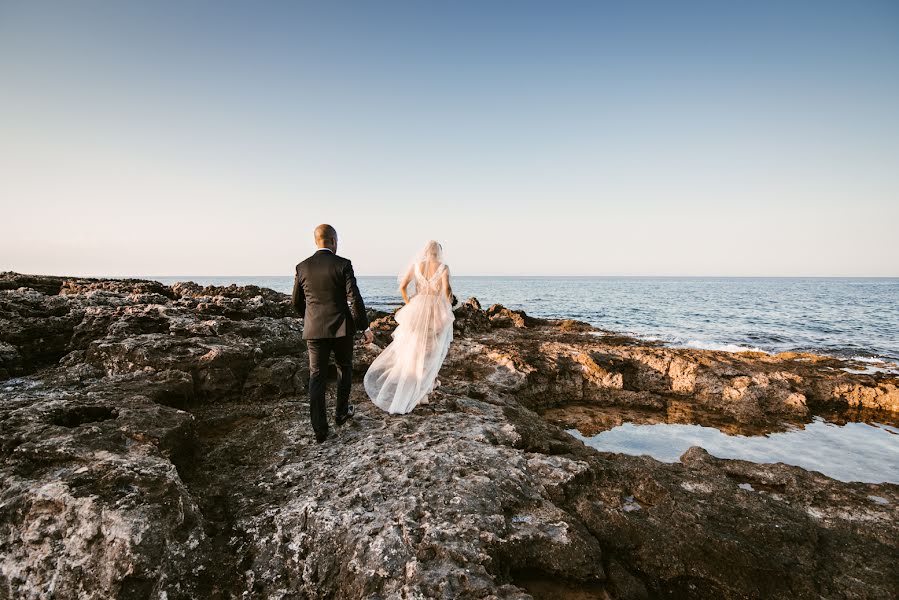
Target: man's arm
{"x": 357, "y": 306}
{"x": 299, "y": 296}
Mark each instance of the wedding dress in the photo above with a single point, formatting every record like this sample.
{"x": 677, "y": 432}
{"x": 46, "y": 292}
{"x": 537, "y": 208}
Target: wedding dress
{"x": 405, "y": 372}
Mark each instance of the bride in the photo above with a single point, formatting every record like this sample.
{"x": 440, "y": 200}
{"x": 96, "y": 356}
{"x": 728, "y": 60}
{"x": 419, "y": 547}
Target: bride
{"x": 406, "y": 371}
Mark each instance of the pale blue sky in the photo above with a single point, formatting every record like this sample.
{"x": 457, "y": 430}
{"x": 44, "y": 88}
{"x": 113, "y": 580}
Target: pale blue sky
{"x": 529, "y": 138}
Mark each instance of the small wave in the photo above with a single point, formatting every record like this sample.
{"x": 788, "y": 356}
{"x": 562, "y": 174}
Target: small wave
{"x": 874, "y": 360}
{"x": 868, "y": 370}
{"x": 676, "y": 342}
{"x": 700, "y": 345}
{"x": 875, "y": 364}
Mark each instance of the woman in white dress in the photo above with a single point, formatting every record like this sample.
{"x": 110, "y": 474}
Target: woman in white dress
{"x": 406, "y": 371}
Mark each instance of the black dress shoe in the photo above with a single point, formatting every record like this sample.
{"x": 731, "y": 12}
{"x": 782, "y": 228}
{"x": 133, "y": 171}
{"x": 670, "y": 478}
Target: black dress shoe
{"x": 321, "y": 437}
{"x": 350, "y": 411}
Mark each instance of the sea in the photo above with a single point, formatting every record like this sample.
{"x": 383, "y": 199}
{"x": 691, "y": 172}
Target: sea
{"x": 845, "y": 317}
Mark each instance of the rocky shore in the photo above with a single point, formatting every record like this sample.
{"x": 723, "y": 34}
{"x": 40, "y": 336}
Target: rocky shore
{"x": 154, "y": 443}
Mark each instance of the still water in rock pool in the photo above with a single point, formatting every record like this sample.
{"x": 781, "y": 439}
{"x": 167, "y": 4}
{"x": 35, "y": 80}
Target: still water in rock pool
{"x": 850, "y": 452}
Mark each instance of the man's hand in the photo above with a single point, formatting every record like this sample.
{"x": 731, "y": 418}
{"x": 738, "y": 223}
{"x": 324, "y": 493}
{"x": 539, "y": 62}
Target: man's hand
{"x": 369, "y": 336}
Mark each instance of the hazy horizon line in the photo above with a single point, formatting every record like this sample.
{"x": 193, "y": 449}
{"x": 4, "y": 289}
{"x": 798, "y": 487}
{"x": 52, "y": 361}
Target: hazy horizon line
{"x": 519, "y": 276}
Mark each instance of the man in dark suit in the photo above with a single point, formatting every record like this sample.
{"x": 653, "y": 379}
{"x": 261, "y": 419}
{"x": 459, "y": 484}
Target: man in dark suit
{"x": 325, "y": 293}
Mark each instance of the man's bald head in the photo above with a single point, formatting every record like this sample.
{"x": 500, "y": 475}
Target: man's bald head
{"x": 326, "y": 237}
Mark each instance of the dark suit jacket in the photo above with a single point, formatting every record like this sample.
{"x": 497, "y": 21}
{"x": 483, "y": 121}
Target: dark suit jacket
{"x": 326, "y": 294}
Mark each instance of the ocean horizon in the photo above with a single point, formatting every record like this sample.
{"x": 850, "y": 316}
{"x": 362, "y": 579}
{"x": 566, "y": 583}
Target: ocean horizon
{"x": 847, "y": 317}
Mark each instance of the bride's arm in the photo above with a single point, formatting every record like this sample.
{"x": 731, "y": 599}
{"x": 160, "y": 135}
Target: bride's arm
{"x": 405, "y": 284}
{"x": 446, "y": 285}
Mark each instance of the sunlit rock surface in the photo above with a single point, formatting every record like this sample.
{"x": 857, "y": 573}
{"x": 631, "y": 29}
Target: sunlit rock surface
{"x": 155, "y": 444}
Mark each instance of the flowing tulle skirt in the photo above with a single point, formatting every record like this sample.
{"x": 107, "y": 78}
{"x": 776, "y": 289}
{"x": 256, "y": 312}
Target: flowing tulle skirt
{"x": 405, "y": 372}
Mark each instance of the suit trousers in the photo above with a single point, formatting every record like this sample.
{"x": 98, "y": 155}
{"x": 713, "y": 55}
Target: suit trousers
{"x": 319, "y": 351}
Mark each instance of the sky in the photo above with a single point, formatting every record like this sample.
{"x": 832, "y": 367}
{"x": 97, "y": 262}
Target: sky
{"x": 529, "y": 138}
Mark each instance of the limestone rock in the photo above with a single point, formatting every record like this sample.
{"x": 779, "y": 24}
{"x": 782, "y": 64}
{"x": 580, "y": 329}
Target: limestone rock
{"x": 154, "y": 443}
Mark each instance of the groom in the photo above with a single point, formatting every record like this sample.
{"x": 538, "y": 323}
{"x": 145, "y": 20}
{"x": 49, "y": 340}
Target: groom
{"x": 325, "y": 293}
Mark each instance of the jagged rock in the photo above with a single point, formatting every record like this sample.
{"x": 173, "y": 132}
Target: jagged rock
{"x": 374, "y": 314}
{"x": 10, "y": 360}
{"x": 41, "y": 283}
{"x": 126, "y": 287}
{"x": 871, "y": 395}
{"x": 277, "y": 378}
{"x": 243, "y": 292}
{"x": 233, "y": 302}
{"x": 386, "y": 323}
{"x": 470, "y": 317}
{"x": 92, "y": 504}
{"x": 500, "y": 316}
{"x": 158, "y": 445}
{"x": 556, "y": 367}
{"x": 38, "y": 327}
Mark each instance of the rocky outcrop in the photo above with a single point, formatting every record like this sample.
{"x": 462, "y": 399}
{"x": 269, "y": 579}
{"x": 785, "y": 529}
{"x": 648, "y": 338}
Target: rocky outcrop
{"x": 553, "y": 365}
{"x": 470, "y": 318}
{"x": 155, "y": 444}
{"x": 41, "y": 283}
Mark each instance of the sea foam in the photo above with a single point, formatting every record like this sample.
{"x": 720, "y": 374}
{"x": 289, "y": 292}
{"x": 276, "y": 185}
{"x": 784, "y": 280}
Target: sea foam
{"x": 701, "y": 345}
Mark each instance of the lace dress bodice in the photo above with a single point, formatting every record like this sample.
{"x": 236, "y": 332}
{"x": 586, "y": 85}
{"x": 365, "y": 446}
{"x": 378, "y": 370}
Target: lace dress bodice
{"x": 429, "y": 286}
